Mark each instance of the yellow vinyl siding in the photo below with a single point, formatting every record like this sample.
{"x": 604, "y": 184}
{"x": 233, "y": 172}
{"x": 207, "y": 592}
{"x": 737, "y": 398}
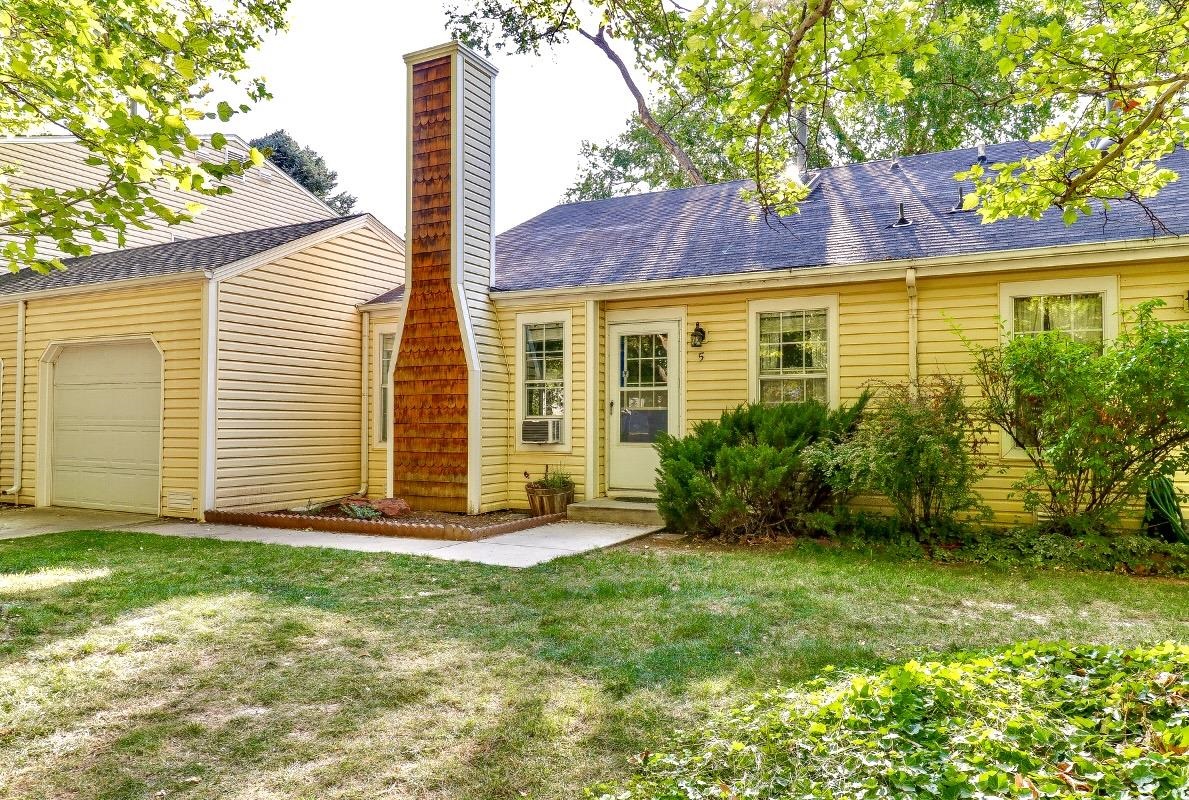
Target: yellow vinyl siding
{"x": 474, "y": 270}
{"x": 289, "y": 373}
{"x": 8, "y": 394}
{"x": 972, "y": 304}
{"x": 522, "y": 458}
{"x": 263, "y": 198}
{"x": 873, "y": 341}
{"x": 377, "y": 465}
{"x": 872, "y": 344}
{"x": 171, "y": 314}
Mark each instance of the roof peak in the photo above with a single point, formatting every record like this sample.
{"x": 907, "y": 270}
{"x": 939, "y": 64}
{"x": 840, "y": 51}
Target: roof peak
{"x": 813, "y": 173}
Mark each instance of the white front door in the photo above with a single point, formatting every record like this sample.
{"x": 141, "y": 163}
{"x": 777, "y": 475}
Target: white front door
{"x": 642, "y": 390}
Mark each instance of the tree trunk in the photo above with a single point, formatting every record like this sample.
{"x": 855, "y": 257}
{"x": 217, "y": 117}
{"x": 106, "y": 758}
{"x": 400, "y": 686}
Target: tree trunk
{"x": 801, "y": 153}
{"x": 684, "y": 162}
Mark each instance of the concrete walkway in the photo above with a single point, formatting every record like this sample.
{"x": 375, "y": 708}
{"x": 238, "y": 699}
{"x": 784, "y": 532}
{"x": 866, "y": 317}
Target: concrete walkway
{"x": 16, "y": 523}
{"x": 521, "y": 549}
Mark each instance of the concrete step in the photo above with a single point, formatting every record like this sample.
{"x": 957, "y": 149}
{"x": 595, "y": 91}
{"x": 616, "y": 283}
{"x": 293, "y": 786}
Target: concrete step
{"x": 608, "y": 509}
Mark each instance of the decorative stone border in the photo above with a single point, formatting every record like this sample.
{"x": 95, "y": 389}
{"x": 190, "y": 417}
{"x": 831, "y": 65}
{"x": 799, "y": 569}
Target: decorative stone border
{"x": 377, "y": 527}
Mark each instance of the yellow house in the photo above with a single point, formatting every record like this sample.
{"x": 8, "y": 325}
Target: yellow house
{"x": 573, "y": 339}
{"x": 233, "y": 365}
{"x": 220, "y": 364}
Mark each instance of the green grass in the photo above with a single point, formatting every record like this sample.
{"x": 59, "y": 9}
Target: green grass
{"x": 142, "y": 666}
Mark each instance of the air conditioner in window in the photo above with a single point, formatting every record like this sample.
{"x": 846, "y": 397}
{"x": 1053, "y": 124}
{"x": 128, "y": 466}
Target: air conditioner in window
{"x": 541, "y": 431}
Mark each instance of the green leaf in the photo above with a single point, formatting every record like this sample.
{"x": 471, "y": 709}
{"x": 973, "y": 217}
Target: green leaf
{"x": 168, "y": 41}
{"x": 185, "y": 67}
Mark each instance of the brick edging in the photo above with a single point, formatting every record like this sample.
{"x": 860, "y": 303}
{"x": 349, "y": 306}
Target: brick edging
{"x": 375, "y": 527}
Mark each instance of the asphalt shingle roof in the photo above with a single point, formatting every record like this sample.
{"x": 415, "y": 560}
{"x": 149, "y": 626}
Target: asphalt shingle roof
{"x": 711, "y": 231}
{"x": 388, "y": 296}
{"x": 188, "y": 255}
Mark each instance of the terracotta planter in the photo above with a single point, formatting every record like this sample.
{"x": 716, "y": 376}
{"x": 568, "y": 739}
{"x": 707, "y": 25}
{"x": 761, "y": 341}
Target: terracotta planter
{"x": 542, "y": 502}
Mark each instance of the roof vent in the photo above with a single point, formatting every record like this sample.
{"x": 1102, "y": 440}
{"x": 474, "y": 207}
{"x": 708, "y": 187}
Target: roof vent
{"x": 903, "y": 221}
{"x": 959, "y": 206}
{"x": 982, "y": 154}
{"x": 895, "y": 165}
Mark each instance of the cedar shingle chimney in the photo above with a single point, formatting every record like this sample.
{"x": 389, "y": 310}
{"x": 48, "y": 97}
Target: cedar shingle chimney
{"x": 440, "y": 365}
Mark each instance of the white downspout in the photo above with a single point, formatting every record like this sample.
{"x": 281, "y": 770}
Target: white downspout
{"x": 910, "y": 281}
{"x": 19, "y": 422}
{"x": 364, "y": 374}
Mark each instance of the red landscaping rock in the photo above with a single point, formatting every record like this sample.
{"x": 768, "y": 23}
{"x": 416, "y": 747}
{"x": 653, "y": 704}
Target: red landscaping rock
{"x": 392, "y": 507}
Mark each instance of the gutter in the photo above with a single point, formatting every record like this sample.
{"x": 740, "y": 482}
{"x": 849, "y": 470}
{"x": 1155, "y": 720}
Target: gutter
{"x": 19, "y": 422}
{"x": 910, "y": 283}
{"x": 364, "y": 374}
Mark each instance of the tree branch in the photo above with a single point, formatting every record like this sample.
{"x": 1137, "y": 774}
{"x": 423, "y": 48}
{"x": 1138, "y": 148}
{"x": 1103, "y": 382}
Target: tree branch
{"x": 1155, "y": 113}
{"x": 684, "y": 162}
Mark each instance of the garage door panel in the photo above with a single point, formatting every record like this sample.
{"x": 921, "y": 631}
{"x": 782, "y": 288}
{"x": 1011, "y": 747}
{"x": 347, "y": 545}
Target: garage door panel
{"x": 107, "y": 426}
{"x": 105, "y": 488}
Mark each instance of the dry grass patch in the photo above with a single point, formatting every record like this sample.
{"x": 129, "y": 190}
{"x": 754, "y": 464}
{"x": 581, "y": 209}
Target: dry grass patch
{"x": 201, "y": 669}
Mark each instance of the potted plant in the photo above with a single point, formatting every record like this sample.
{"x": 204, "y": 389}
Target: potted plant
{"x": 551, "y": 494}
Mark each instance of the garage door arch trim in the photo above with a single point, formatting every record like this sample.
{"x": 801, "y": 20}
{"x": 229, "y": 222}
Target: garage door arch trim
{"x": 45, "y": 408}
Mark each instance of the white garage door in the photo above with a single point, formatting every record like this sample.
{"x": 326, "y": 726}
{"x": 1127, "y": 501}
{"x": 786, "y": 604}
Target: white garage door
{"x": 106, "y": 448}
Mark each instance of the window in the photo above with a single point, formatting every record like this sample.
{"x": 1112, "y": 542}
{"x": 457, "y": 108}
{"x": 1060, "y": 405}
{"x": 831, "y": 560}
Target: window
{"x": 542, "y": 375}
{"x": 1084, "y": 308}
{"x": 792, "y": 344}
{"x": 794, "y": 354}
{"x": 544, "y": 369}
{"x": 1078, "y": 314}
{"x": 387, "y": 346}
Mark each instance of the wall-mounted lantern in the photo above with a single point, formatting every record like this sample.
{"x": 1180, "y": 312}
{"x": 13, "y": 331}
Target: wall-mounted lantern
{"x": 1186, "y": 303}
{"x": 698, "y": 337}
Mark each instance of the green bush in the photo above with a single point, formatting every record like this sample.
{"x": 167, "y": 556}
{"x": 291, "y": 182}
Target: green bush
{"x": 1097, "y": 423}
{"x": 745, "y": 474}
{"x": 1050, "y": 720}
{"x": 1027, "y": 547}
{"x": 559, "y": 480}
{"x": 916, "y": 446}
{"x": 360, "y": 511}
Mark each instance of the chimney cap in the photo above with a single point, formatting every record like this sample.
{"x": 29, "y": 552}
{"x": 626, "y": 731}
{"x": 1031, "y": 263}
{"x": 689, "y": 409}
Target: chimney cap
{"x": 449, "y": 49}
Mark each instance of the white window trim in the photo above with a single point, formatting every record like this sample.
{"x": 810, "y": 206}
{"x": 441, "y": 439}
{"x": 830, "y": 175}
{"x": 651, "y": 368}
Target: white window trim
{"x": 379, "y": 331}
{"x": 1105, "y": 285}
{"x": 829, "y": 302}
{"x": 566, "y": 318}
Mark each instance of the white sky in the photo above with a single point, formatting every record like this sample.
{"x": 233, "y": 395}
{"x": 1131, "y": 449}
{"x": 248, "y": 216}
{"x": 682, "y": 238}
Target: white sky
{"x": 338, "y": 81}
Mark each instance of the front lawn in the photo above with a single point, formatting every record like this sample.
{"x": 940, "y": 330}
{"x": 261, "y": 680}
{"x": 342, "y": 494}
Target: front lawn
{"x": 145, "y": 666}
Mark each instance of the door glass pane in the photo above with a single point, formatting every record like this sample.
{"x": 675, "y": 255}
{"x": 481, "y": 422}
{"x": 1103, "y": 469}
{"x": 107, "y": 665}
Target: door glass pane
{"x": 644, "y": 392}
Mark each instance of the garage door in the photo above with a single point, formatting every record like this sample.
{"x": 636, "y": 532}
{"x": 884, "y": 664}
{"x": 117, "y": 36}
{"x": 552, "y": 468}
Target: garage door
{"x": 106, "y": 448}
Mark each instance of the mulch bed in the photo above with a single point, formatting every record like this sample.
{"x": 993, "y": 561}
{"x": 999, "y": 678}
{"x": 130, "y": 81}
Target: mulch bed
{"x": 420, "y": 524}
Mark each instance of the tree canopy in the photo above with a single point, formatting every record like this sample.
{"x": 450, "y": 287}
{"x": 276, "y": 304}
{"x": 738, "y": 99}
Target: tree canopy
{"x": 1100, "y": 84}
{"x": 947, "y": 108}
{"x": 307, "y": 167}
{"x": 128, "y": 79}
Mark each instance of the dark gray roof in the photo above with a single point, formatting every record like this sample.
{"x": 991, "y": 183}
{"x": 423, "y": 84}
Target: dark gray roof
{"x": 188, "y": 255}
{"x": 388, "y": 297}
{"x": 710, "y": 230}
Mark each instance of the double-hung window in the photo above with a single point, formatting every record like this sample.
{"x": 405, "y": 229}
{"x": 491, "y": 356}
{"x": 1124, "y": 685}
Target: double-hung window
{"x": 1081, "y": 315}
{"x": 542, "y": 380}
{"x": 1082, "y": 308}
{"x": 544, "y": 369}
{"x": 386, "y": 346}
{"x": 794, "y": 350}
